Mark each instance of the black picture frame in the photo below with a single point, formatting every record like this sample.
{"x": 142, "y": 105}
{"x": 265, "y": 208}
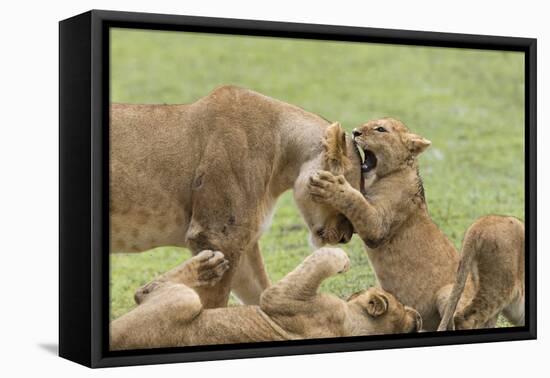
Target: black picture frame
{"x": 84, "y": 193}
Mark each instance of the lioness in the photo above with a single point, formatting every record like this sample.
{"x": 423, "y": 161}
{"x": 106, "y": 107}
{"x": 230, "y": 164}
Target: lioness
{"x": 170, "y": 313}
{"x": 411, "y": 256}
{"x": 207, "y": 175}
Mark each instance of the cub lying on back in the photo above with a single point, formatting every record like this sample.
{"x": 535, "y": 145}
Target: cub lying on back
{"x": 170, "y": 313}
{"x": 411, "y": 256}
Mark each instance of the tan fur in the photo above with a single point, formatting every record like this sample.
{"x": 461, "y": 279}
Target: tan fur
{"x": 411, "y": 256}
{"x": 336, "y": 155}
{"x": 169, "y": 312}
{"x": 207, "y": 175}
{"x": 493, "y": 250}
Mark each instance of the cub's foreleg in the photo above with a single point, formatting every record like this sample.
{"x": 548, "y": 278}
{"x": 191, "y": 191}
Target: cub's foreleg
{"x": 368, "y": 221}
{"x": 301, "y": 285}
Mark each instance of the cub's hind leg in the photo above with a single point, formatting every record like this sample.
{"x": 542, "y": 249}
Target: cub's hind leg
{"x": 165, "y": 303}
{"x": 176, "y": 287}
{"x": 515, "y": 311}
{"x": 493, "y": 294}
{"x": 443, "y": 296}
{"x": 204, "y": 269}
{"x": 491, "y": 323}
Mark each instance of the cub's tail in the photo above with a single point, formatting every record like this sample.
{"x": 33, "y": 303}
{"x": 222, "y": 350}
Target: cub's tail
{"x": 469, "y": 251}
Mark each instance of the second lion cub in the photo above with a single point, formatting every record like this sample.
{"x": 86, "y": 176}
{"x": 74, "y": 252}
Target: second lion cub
{"x": 411, "y": 256}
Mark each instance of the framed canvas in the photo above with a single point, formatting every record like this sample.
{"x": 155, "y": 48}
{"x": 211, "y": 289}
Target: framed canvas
{"x": 214, "y": 172}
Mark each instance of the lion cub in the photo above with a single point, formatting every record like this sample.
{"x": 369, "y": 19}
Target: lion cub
{"x": 411, "y": 256}
{"x": 169, "y": 312}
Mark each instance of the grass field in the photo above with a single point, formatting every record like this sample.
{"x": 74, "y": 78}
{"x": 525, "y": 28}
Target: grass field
{"x": 468, "y": 103}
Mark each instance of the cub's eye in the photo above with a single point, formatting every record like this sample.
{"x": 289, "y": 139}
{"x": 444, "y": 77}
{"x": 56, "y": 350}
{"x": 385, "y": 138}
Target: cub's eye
{"x": 380, "y": 129}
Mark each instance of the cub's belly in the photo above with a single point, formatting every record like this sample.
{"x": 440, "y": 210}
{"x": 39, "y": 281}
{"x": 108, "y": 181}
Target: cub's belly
{"x": 230, "y": 325}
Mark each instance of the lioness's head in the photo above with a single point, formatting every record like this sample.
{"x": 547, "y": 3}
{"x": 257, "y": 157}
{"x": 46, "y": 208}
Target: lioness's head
{"x": 388, "y": 145}
{"x": 376, "y": 310}
{"x": 338, "y": 155}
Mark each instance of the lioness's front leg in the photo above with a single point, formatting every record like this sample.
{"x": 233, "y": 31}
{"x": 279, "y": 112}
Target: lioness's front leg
{"x": 335, "y": 191}
{"x": 250, "y": 279}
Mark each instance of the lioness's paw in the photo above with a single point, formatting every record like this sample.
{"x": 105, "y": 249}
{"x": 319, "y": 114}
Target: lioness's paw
{"x": 337, "y": 259}
{"x": 211, "y": 267}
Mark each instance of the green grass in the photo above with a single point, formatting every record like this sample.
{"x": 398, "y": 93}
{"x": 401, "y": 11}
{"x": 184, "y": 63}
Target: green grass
{"x": 469, "y": 103}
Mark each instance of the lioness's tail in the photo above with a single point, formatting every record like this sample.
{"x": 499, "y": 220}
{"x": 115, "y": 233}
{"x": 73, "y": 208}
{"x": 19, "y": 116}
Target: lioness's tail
{"x": 493, "y": 251}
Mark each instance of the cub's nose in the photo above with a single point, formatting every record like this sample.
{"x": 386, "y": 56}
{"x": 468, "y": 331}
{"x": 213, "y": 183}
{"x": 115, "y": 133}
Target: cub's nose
{"x": 356, "y": 133}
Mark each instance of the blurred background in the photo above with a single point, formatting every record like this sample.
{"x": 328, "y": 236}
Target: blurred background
{"x": 469, "y": 103}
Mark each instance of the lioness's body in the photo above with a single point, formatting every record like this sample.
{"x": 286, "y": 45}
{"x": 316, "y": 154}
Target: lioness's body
{"x": 170, "y": 313}
{"x": 207, "y": 175}
{"x": 411, "y": 256}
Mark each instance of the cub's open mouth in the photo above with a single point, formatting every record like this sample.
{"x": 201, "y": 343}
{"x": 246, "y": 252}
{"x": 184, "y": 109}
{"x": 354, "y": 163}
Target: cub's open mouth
{"x": 369, "y": 163}
{"x": 368, "y": 158}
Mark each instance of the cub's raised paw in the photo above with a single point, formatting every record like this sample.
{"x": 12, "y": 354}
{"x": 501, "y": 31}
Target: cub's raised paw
{"x": 211, "y": 266}
{"x": 323, "y": 185}
{"x": 337, "y": 260}
{"x": 319, "y": 185}
{"x": 205, "y": 268}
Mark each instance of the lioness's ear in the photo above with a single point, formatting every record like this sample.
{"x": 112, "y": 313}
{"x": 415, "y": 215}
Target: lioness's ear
{"x": 416, "y": 144}
{"x": 377, "y": 305}
{"x": 336, "y": 159}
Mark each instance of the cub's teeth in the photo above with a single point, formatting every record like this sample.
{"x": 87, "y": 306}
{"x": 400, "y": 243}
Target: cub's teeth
{"x": 362, "y": 154}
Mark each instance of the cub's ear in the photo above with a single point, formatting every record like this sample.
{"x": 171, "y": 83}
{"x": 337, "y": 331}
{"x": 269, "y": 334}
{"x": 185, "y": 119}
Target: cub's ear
{"x": 336, "y": 159}
{"x": 355, "y": 295}
{"x": 377, "y": 304}
{"x": 416, "y": 317}
{"x": 416, "y": 144}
